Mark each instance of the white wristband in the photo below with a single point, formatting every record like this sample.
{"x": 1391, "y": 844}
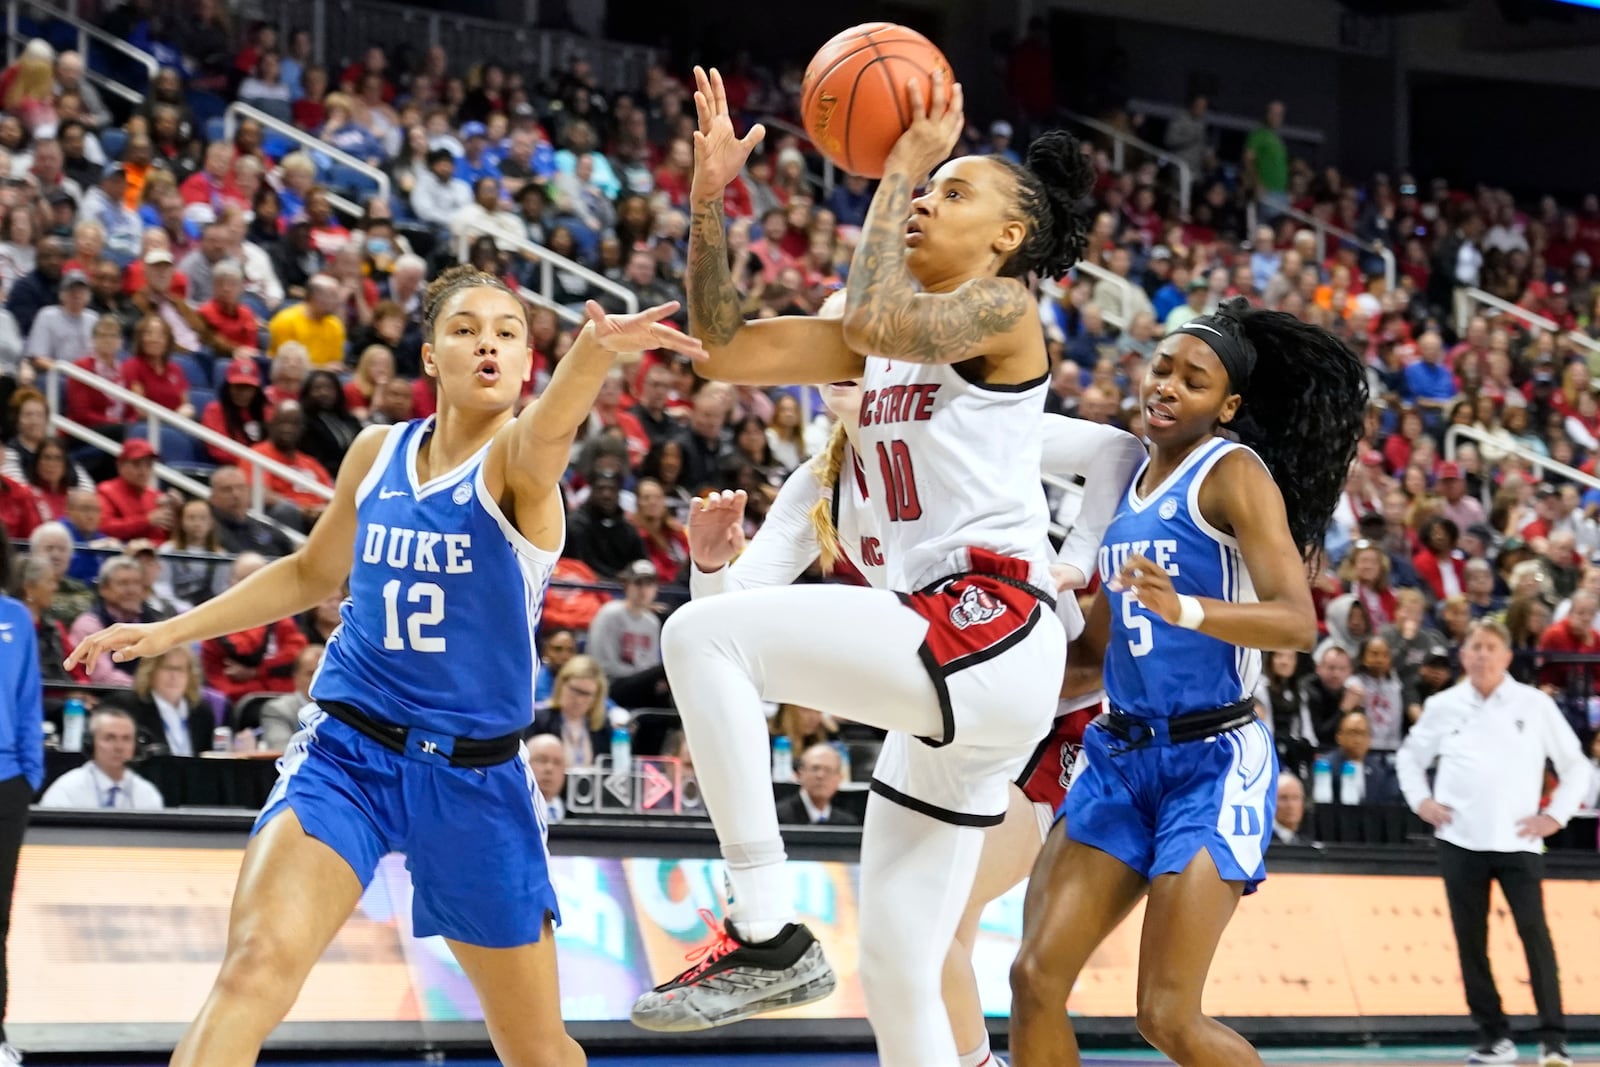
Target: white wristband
{"x": 1190, "y": 613}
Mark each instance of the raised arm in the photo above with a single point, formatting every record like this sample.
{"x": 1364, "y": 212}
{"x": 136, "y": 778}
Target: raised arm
{"x": 1106, "y": 458}
{"x": 531, "y": 453}
{"x": 781, "y": 351}
{"x": 284, "y": 587}
{"x": 886, "y": 311}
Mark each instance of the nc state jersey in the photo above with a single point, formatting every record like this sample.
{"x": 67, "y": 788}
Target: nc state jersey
{"x": 445, "y": 594}
{"x": 952, "y": 465}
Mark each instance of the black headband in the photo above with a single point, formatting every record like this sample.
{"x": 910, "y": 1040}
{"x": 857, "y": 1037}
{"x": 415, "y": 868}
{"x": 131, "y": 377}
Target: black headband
{"x": 1238, "y": 359}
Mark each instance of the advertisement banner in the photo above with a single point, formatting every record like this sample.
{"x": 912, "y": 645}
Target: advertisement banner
{"x": 111, "y": 935}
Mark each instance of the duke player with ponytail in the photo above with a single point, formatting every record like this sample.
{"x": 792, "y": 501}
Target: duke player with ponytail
{"x": 822, "y": 515}
{"x": 1204, "y": 568}
{"x": 961, "y": 652}
{"x": 447, "y": 529}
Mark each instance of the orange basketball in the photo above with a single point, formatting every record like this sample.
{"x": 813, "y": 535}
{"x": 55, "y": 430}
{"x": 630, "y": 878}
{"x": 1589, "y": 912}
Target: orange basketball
{"x": 854, "y": 98}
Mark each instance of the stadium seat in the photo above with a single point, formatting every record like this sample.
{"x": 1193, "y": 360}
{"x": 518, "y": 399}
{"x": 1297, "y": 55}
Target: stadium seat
{"x": 194, "y": 369}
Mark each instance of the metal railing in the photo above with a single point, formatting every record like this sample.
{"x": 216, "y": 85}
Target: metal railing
{"x": 830, "y": 173}
{"x": 1322, "y": 230}
{"x": 1121, "y": 141}
{"x": 86, "y": 33}
{"x": 1505, "y": 307}
{"x": 1534, "y": 459}
{"x": 254, "y": 465}
{"x": 1099, "y": 273}
{"x": 549, "y": 263}
{"x": 1222, "y": 120}
{"x": 230, "y": 125}
{"x": 116, "y": 88}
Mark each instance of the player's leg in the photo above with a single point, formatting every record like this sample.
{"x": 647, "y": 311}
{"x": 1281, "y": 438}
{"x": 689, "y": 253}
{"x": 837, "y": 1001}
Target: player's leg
{"x": 1008, "y": 854}
{"x": 916, "y": 874}
{"x": 1077, "y": 895}
{"x": 1183, "y": 925}
{"x": 294, "y": 894}
{"x": 521, "y": 1002}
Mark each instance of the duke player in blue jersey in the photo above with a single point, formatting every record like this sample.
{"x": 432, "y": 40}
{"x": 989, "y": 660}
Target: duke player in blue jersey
{"x": 448, "y": 529}
{"x": 1203, "y": 566}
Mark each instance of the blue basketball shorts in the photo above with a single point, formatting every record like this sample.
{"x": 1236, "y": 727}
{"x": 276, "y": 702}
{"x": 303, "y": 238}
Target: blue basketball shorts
{"x": 473, "y": 837}
{"x": 1154, "y": 807}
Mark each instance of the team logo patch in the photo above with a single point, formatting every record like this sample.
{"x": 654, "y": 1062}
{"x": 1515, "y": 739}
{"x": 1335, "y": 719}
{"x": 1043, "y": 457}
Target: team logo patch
{"x": 1168, "y": 508}
{"x": 1069, "y": 760}
{"x": 975, "y": 608}
{"x": 463, "y": 493}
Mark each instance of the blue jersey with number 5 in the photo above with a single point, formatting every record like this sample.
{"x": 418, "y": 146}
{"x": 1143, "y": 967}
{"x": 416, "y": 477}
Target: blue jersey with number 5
{"x": 438, "y": 630}
{"x": 1155, "y": 670}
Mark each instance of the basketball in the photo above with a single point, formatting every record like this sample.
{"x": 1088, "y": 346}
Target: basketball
{"x": 854, "y": 100}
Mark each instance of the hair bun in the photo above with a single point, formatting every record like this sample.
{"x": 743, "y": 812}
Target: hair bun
{"x": 1062, "y": 166}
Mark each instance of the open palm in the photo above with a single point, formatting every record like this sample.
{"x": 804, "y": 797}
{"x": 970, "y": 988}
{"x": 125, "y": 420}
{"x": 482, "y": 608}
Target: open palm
{"x": 641, "y": 330}
{"x": 719, "y": 152}
{"x": 716, "y": 529}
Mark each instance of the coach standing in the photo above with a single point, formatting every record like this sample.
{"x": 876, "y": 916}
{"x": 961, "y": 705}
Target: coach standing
{"x": 21, "y": 754}
{"x": 1490, "y": 736}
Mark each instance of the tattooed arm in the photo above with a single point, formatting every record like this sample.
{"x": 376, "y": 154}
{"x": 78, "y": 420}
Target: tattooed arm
{"x": 887, "y": 314}
{"x": 781, "y": 351}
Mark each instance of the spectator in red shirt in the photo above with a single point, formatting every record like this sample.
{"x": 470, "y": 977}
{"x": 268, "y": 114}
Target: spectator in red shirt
{"x": 290, "y": 365}
{"x": 241, "y": 413}
{"x": 283, "y": 445}
{"x": 232, "y": 324}
{"x": 258, "y": 660}
{"x": 1437, "y": 563}
{"x": 130, "y": 505}
{"x": 1575, "y": 633}
{"x": 672, "y": 176}
{"x": 609, "y": 411}
{"x": 152, "y": 372}
{"x": 19, "y": 507}
{"x": 206, "y": 185}
{"x": 665, "y": 541}
{"x": 90, "y": 406}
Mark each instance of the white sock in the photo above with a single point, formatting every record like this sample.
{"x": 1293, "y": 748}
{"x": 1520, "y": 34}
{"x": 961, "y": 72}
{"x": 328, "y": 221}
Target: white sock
{"x": 760, "y": 900}
{"x": 978, "y": 1057}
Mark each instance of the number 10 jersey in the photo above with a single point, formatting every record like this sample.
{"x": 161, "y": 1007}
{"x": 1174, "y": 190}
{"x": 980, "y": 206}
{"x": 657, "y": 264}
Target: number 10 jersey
{"x": 445, "y": 596}
{"x": 952, "y": 464}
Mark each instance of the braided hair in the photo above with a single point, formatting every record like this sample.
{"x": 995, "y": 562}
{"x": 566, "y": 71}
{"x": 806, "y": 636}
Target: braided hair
{"x": 1303, "y": 411}
{"x": 1052, "y": 191}
{"x": 825, "y": 466}
{"x": 455, "y": 280}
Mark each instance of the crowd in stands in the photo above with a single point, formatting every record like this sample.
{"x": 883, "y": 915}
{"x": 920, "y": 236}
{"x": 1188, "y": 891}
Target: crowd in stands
{"x": 219, "y": 278}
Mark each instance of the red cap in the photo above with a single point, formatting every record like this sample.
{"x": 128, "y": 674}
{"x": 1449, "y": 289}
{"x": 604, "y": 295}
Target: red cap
{"x": 240, "y": 373}
{"x": 137, "y": 448}
{"x": 1449, "y": 470}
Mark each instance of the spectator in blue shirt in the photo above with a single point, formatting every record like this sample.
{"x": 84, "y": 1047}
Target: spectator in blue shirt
{"x": 850, "y": 200}
{"x": 347, "y": 135}
{"x": 1428, "y": 382}
{"x": 1171, "y": 295}
{"x": 475, "y": 161}
{"x": 21, "y": 753}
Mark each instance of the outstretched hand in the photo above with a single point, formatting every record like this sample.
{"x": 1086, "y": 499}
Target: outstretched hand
{"x": 125, "y": 641}
{"x": 936, "y": 126}
{"x": 719, "y": 152}
{"x": 716, "y": 529}
{"x": 641, "y": 330}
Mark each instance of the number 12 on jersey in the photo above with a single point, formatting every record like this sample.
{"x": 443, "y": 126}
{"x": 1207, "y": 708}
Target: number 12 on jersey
{"x": 419, "y": 594}
{"x": 894, "y": 461}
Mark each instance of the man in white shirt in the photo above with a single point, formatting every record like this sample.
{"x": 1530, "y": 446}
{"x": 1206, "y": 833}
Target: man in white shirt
{"x": 1490, "y": 736}
{"x": 548, "y": 761}
{"x": 439, "y": 194}
{"x": 105, "y": 781}
{"x": 1291, "y": 812}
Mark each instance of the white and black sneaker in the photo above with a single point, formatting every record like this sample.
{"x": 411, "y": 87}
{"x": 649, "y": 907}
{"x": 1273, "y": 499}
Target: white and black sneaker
{"x": 9, "y": 1055}
{"x": 1503, "y": 1050}
{"x": 1554, "y": 1054}
{"x": 734, "y": 979}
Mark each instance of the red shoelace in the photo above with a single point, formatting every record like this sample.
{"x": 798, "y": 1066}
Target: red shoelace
{"x": 709, "y": 953}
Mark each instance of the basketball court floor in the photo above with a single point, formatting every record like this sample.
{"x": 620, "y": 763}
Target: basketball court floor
{"x": 1417, "y": 1056}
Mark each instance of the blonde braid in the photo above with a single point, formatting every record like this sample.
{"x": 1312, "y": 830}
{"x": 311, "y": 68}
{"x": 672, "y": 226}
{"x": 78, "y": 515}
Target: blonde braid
{"x": 826, "y": 467}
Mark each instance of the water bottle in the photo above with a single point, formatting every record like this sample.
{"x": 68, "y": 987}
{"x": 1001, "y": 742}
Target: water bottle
{"x": 1350, "y": 785}
{"x": 844, "y": 761}
{"x": 222, "y": 739}
{"x": 1322, "y": 781}
{"x": 782, "y": 759}
{"x": 72, "y": 721}
{"x": 621, "y": 750}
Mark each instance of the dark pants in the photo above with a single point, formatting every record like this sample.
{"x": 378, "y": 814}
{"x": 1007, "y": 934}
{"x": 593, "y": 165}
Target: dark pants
{"x": 1467, "y": 877}
{"x": 15, "y": 793}
{"x": 642, "y": 689}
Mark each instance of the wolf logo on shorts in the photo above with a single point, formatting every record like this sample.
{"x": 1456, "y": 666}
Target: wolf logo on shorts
{"x": 976, "y": 606}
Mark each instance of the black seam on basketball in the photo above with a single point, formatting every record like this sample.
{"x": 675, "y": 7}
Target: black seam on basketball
{"x": 806, "y": 100}
{"x": 901, "y": 107}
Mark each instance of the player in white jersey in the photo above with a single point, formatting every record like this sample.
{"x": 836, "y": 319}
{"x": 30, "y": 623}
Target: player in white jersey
{"x": 412, "y": 743}
{"x": 964, "y": 652}
{"x": 821, "y": 514}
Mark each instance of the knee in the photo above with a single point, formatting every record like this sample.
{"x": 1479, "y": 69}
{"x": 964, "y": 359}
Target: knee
{"x": 260, "y": 968}
{"x": 682, "y": 633}
{"x": 1035, "y": 984}
{"x": 890, "y": 978}
{"x": 1166, "y": 1020}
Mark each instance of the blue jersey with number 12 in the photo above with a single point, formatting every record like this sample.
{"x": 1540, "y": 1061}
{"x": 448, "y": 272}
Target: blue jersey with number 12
{"x": 1154, "y": 670}
{"x": 445, "y": 594}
